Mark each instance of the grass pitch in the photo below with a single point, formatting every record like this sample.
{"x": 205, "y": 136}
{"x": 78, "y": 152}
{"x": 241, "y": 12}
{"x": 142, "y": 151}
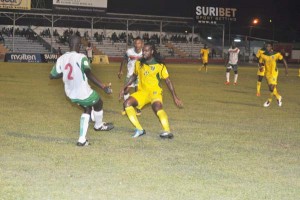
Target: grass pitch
{"x": 226, "y": 145}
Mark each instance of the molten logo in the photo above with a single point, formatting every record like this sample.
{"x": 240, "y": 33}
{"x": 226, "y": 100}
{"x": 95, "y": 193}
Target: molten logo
{"x": 11, "y": 2}
{"x": 24, "y": 57}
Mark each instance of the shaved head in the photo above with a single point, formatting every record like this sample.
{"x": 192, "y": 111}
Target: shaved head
{"x": 74, "y": 43}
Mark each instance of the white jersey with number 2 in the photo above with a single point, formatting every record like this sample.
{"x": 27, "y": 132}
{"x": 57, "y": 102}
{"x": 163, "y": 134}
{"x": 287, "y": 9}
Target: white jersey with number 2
{"x": 72, "y": 66}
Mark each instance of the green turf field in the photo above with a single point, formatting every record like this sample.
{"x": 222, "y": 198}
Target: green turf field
{"x": 226, "y": 146}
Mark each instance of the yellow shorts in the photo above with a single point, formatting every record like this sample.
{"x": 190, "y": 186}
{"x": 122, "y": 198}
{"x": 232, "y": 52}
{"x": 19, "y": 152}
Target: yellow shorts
{"x": 144, "y": 97}
{"x": 204, "y": 60}
{"x": 272, "y": 78}
{"x": 261, "y": 71}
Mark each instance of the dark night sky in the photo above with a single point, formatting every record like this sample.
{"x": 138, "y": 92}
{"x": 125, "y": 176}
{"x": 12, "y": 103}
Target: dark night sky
{"x": 282, "y": 10}
{"x": 285, "y": 14}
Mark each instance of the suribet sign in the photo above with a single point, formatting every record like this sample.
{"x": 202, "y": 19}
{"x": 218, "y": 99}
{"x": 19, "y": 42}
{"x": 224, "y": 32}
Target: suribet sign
{"x": 214, "y": 15}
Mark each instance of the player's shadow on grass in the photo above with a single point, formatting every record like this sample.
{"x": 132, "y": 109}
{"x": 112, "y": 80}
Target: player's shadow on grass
{"x": 238, "y": 103}
{"x": 238, "y": 91}
{"x": 41, "y": 138}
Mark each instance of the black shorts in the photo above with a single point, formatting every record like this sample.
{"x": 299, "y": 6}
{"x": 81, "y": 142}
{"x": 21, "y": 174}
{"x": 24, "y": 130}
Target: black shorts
{"x": 231, "y": 66}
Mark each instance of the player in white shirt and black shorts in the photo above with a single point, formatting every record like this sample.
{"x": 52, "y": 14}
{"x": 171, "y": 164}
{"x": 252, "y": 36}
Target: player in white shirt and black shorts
{"x": 232, "y": 63}
{"x": 75, "y": 70}
{"x": 132, "y": 55}
{"x": 89, "y": 52}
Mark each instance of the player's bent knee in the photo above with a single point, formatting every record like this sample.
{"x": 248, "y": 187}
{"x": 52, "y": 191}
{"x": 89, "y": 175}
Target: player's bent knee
{"x": 156, "y": 106}
{"x": 126, "y": 104}
{"x": 130, "y": 102}
{"x": 88, "y": 110}
{"x": 98, "y": 106}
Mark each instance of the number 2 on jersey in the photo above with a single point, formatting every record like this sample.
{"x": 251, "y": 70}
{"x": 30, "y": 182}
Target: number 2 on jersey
{"x": 69, "y": 67}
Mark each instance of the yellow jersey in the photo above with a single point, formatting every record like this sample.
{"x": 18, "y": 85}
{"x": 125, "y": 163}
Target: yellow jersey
{"x": 259, "y": 53}
{"x": 270, "y": 59}
{"x": 150, "y": 74}
{"x": 204, "y": 53}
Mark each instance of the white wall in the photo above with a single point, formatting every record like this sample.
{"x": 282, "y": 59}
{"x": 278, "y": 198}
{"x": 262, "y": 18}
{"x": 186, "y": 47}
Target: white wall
{"x": 295, "y": 54}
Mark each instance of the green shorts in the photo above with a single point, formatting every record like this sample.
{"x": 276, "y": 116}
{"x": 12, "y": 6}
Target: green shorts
{"x": 90, "y": 101}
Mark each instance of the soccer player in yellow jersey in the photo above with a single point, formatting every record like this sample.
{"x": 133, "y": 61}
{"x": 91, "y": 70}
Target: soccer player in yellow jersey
{"x": 204, "y": 55}
{"x": 150, "y": 70}
{"x": 260, "y": 70}
{"x": 269, "y": 58}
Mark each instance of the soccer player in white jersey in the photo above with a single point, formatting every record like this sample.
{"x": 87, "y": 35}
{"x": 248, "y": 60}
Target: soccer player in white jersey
{"x": 75, "y": 71}
{"x": 131, "y": 56}
{"x": 232, "y": 63}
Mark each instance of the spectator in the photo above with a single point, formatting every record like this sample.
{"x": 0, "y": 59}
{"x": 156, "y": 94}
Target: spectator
{"x": 96, "y": 35}
{"x": 23, "y": 33}
{"x": 171, "y": 52}
{"x": 213, "y": 53}
{"x": 55, "y": 33}
{"x": 78, "y": 34}
{"x": 114, "y": 37}
{"x": 59, "y": 52}
{"x": 102, "y": 37}
{"x": 2, "y": 38}
{"x": 86, "y": 35}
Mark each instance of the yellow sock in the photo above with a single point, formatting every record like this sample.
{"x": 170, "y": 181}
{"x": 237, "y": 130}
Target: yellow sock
{"x": 271, "y": 97}
{"x": 276, "y": 93}
{"x": 132, "y": 117}
{"x": 258, "y": 86}
{"x": 163, "y": 117}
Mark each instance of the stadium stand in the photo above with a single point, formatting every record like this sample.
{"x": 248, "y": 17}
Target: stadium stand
{"x": 25, "y": 41}
{"x": 22, "y": 44}
{"x": 188, "y": 49}
{"x": 110, "y": 48}
{"x": 105, "y": 42}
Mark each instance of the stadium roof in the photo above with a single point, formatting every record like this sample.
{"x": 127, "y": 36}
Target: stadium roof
{"x": 43, "y": 17}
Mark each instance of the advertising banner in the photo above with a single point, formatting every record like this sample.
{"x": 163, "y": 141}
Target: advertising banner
{"x": 214, "y": 15}
{"x": 80, "y": 3}
{"x": 49, "y": 57}
{"x": 31, "y": 57}
{"x": 15, "y": 4}
{"x": 23, "y": 57}
{"x": 79, "y": 6}
{"x": 100, "y": 59}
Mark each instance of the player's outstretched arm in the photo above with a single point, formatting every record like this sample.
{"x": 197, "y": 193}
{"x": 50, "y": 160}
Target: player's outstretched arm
{"x": 285, "y": 66}
{"x": 58, "y": 76}
{"x": 177, "y": 101}
{"x": 227, "y": 59}
{"x": 132, "y": 78}
{"x": 93, "y": 78}
{"x": 54, "y": 74}
{"x": 120, "y": 73}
